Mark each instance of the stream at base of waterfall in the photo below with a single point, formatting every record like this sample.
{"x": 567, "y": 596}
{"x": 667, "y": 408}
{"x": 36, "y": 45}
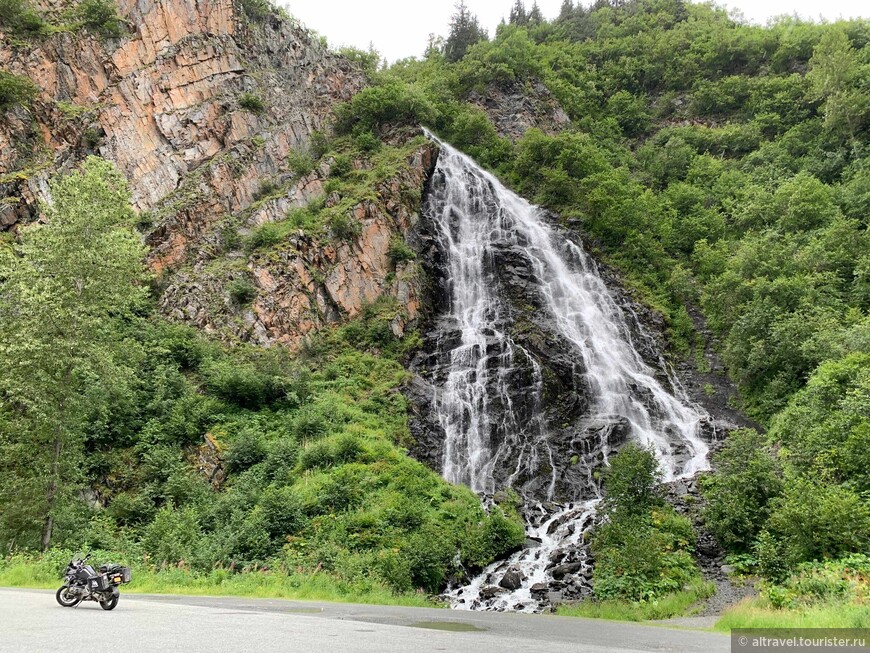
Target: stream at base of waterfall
{"x": 489, "y": 443}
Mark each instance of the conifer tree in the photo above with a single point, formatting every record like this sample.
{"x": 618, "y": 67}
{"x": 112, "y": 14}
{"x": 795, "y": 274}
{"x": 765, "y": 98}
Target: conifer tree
{"x": 518, "y": 15}
{"x": 465, "y": 31}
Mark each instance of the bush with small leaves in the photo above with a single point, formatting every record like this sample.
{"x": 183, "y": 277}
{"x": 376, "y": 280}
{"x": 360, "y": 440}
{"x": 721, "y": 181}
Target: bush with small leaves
{"x": 15, "y": 90}
{"x": 243, "y": 383}
{"x": 241, "y": 291}
{"x": 245, "y": 451}
{"x": 300, "y": 162}
{"x": 739, "y": 492}
{"x": 21, "y": 19}
{"x": 257, "y": 10}
{"x": 366, "y": 142}
{"x": 393, "y": 103}
{"x": 341, "y": 165}
{"x": 102, "y": 17}
{"x": 399, "y": 251}
{"x": 252, "y": 102}
{"x": 344, "y": 226}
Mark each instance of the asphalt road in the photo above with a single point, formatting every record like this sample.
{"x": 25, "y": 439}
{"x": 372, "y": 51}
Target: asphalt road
{"x": 31, "y": 621}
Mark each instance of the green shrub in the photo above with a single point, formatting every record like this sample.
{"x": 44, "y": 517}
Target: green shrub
{"x": 268, "y": 187}
{"x": 318, "y": 145}
{"x": 15, "y": 90}
{"x": 173, "y": 536}
{"x": 739, "y": 493}
{"x": 131, "y": 509}
{"x": 243, "y": 384}
{"x": 393, "y": 103}
{"x": 300, "y": 162}
{"x": 344, "y": 226}
{"x": 642, "y": 547}
{"x": 494, "y": 537}
{"x": 101, "y": 16}
{"x": 245, "y": 451}
{"x": 400, "y": 251}
{"x": 640, "y": 557}
{"x": 632, "y": 482}
{"x": 241, "y": 291}
{"x": 282, "y": 455}
{"x": 21, "y": 19}
{"x": 341, "y": 165}
{"x": 265, "y": 236}
{"x": 814, "y": 520}
{"x": 366, "y": 142}
{"x": 282, "y": 511}
{"x": 257, "y": 10}
{"x": 304, "y": 218}
{"x": 252, "y": 102}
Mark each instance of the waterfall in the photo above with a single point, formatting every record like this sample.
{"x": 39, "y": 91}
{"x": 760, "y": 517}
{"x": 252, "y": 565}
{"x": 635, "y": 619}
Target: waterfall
{"x": 486, "y": 233}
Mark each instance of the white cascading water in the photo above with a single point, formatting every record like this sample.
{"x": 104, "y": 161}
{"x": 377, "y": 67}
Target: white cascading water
{"x": 474, "y": 215}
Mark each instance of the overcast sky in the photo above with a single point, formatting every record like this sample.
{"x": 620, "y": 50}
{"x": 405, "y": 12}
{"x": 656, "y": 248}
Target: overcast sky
{"x": 399, "y": 28}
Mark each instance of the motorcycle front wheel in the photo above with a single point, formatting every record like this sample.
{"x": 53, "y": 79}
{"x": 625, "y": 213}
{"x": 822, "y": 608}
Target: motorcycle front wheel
{"x": 109, "y": 603}
{"x": 66, "y": 598}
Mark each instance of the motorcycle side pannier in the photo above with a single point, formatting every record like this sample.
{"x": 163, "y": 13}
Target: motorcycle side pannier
{"x": 121, "y": 575}
{"x": 98, "y": 583}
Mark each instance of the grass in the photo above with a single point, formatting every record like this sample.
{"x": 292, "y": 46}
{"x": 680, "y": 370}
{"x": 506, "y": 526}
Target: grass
{"x": 671, "y": 605}
{"x": 755, "y": 614}
{"x": 39, "y": 574}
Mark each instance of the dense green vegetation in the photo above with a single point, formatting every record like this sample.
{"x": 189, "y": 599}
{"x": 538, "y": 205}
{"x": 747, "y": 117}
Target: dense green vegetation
{"x": 642, "y": 548}
{"x": 722, "y": 167}
{"x": 15, "y": 90}
{"x": 22, "y": 21}
{"x": 101, "y": 395}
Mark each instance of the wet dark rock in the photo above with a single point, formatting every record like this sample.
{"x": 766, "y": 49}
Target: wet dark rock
{"x": 490, "y": 592}
{"x": 512, "y": 580}
{"x": 562, "y": 570}
{"x": 549, "y": 445}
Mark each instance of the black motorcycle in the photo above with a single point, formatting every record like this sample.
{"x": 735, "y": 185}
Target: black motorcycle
{"x": 83, "y": 583}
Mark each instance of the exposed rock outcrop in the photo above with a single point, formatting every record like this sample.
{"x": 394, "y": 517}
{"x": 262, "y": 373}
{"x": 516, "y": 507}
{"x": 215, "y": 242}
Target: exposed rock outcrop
{"x": 305, "y": 282}
{"x": 204, "y": 110}
{"x": 518, "y": 107}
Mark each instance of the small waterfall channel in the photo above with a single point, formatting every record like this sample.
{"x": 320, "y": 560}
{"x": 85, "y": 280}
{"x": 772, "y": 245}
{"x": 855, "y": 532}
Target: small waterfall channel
{"x": 484, "y": 231}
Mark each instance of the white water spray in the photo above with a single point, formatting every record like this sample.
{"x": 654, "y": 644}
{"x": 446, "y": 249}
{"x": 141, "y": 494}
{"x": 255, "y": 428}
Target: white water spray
{"x": 476, "y": 217}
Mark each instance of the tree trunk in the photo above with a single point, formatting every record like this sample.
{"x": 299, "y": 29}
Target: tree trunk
{"x": 51, "y": 493}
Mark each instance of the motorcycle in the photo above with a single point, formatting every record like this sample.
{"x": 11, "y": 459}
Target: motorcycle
{"x": 83, "y": 583}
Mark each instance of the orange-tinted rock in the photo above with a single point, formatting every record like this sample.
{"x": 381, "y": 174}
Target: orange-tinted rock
{"x": 163, "y": 105}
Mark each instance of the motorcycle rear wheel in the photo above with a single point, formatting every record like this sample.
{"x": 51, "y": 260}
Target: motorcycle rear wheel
{"x": 66, "y": 599}
{"x": 110, "y": 603}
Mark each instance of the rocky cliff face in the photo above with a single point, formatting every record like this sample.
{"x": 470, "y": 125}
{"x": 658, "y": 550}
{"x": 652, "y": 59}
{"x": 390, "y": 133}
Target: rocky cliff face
{"x": 305, "y": 282}
{"x": 203, "y": 108}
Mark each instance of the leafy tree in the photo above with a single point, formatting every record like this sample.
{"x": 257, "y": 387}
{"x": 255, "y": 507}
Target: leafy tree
{"x": 64, "y": 285}
{"x": 642, "y": 548}
{"x": 739, "y": 492}
{"x": 633, "y": 482}
{"x": 817, "y": 521}
{"x": 465, "y": 31}
{"x": 839, "y": 77}
{"x": 101, "y": 16}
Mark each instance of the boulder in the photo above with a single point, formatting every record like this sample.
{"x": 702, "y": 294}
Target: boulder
{"x": 512, "y": 580}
